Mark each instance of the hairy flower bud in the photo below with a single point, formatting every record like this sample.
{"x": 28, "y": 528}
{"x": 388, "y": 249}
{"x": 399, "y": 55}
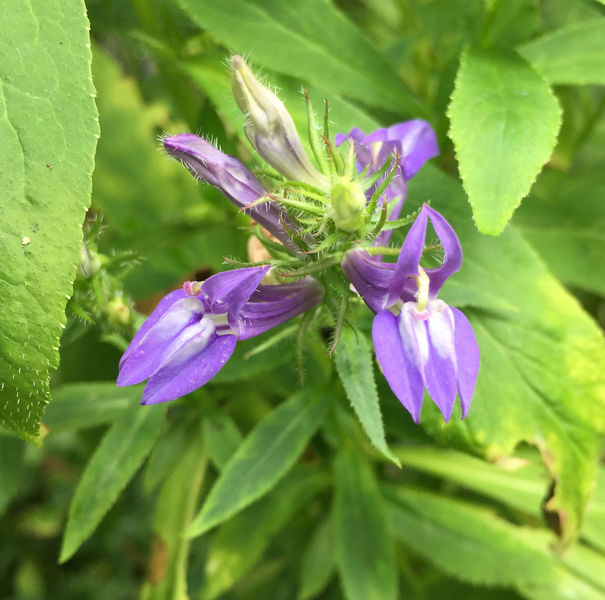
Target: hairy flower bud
{"x": 346, "y": 204}
{"x": 271, "y": 129}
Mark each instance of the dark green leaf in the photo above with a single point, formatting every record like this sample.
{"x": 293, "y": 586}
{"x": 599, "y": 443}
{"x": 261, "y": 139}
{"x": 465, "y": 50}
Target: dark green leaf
{"x": 317, "y": 563}
{"x": 308, "y": 40}
{"x": 240, "y": 542}
{"x": 365, "y": 553}
{"x": 111, "y": 467}
{"x": 263, "y": 458}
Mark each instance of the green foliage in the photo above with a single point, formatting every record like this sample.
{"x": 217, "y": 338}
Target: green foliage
{"x": 261, "y": 485}
{"x": 528, "y": 389}
{"x": 49, "y": 132}
{"x": 263, "y": 458}
{"x": 364, "y": 548}
{"x": 570, "y": 55}
{"x": 504, "y": 124}
{"x": 111, "y": 467}
{"x": 354, "y": 364}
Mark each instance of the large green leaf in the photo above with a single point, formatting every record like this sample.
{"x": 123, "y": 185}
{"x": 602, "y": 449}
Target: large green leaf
{"x": 570, "y": 55}
{"x": 542, "y": 373}
{"x": 564, "y": 220}
{"x": 471, "y": 543}
{"x": 504, "y": 124}
{"x": 356, "y": 369}
{"x": 308, "y": 40}
{"x": 111, "y": 467}
{"x": 263, "y": 458}
{"x": 49, "y": 130}
{"x": 240, "y": 542}
{"x": 365, "y": 552}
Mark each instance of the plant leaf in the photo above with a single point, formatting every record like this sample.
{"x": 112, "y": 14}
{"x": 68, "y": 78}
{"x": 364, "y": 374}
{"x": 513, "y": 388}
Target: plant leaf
{"x": 263, "y": 458}
{"x": 356, "y": 370}
{"x": 471, "y": 543}
{"x": 240, "y": 542}
{"x": 222, "y": 437}
{"x": 311, "y": 41}
{"x": 111, "y": 467}
{"x": 317, "y": 563}
{"x": 49, "y": 130}
{"x": 365, "y": 552}
{"x": 88, "y": 404}
{"x": 571, "y": 55}
{"x": 504, "y": 124}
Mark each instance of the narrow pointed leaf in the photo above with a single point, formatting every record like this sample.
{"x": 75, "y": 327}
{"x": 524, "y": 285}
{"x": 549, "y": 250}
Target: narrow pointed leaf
{"x": 365, "y": 552}
{"x": 356, "y": 370}
{"x": 263, "y": 458}
{"x": 111, "y": 467}
{"x": 317, "y": 563}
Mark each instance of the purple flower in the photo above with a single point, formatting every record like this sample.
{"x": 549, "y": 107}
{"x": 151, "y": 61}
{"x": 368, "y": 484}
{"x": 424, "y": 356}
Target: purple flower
{"x": 420, "y": 341}
{"x": 232, "y": 179}
{"x": 193, "y": 331}
{"x": 414, "y": 141}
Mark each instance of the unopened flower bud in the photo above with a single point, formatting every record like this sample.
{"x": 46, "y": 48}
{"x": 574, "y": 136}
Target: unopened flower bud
{"x": 346, "y": 204}
{"x": 118, "y": 312}
{"x": 271, "y": 129}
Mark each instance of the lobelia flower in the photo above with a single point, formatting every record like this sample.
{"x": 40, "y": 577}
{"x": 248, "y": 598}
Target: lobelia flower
{"x": 420, "y": 341}
{"x": 414, "y": 142}
{"x": 193, "y": 331}
{"x": 270, "y": 128}
{"x": 234, "y": 180}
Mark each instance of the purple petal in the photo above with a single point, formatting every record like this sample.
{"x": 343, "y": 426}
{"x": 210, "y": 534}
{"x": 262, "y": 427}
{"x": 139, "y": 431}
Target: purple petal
{"x": 440, "y": 371}
{"x": 369, "y": 276}
{"x": 273, "y": 305}
{"x": 190, "y": 368}
{"x": 232, "y": 178}
{"x": 451, "y": 247}
{"x": 467, "y": 356}
{"x": 227, "y": 291}
{"x": 165, "y": 303}
{"x": 418, "y": 143}
{"x": 147, "y": 353}
{"x": 401, "y": 374}
{"x": 409, "y": 257}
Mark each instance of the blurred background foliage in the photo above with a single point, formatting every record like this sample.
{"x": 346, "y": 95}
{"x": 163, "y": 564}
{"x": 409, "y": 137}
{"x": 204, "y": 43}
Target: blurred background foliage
{"x": 449, "y": 524}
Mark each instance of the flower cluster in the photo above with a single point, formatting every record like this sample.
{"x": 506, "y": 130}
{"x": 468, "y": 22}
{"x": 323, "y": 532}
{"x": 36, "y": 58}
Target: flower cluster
{"x": 325, "y": 227}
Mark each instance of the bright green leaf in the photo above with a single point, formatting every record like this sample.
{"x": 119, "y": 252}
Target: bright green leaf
{"x": 49, "y": 130}
{"x": 365, "y": 552}
{"x": 111, "y": 467}
{"x": 571, "y": 55}
{"x": 263, "y": 458}
{"x": 310, "y": 40}
{"x": 504, "y": 124}
{"x": 87, "y": 404}
{"x": 356, "y": 370}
